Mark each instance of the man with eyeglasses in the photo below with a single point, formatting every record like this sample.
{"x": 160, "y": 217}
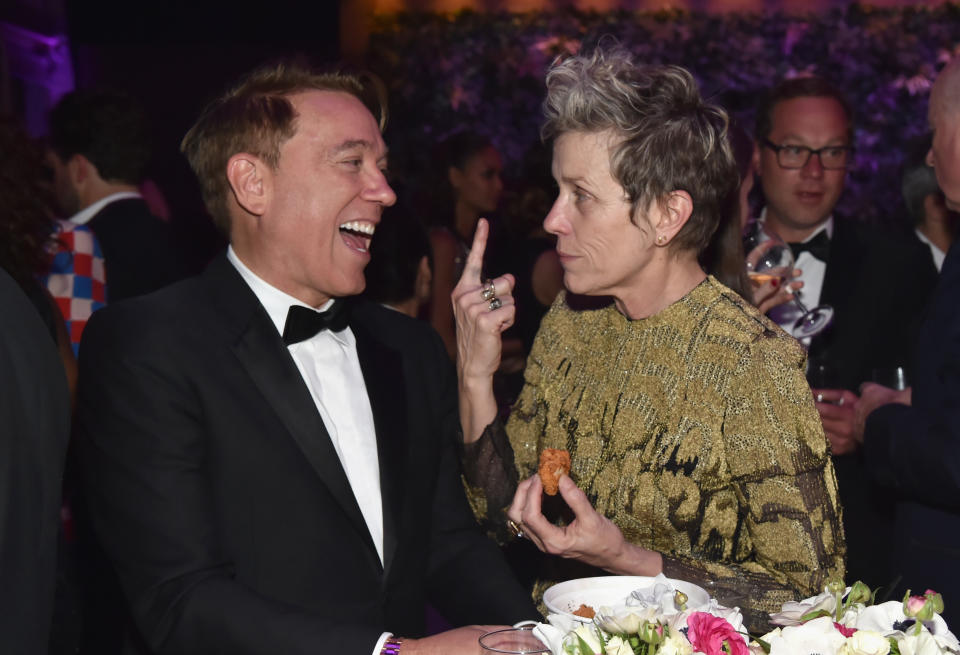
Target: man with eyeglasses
{"x": 876, "y": 284}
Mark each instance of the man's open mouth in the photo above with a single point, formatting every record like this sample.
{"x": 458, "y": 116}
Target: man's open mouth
{"x": 357, "y": 234}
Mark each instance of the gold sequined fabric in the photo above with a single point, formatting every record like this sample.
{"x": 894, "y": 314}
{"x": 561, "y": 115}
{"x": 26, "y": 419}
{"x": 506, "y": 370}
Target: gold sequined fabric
{"x": 694, "y": 431}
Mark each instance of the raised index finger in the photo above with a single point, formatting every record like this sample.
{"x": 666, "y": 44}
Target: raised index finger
{"x": 473, "y": 267}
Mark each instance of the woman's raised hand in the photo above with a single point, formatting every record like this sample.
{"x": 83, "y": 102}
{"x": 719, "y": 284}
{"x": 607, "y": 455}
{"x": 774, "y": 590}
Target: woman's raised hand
{"x": 483, "y": 309}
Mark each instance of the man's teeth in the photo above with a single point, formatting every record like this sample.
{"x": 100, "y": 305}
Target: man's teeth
{"x": 357, "y": 226}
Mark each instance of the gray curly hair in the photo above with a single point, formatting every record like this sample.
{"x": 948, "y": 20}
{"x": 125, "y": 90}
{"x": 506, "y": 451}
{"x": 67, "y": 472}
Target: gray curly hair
{"x": 668, "y": 138}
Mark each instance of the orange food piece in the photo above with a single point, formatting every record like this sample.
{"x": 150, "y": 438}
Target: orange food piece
{"x": 585, "y": 611}
{"x": 553, "y": 464}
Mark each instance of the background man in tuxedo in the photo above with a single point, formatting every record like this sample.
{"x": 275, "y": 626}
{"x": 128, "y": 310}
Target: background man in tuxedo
{"x": 262, "y": 483}
{"x": 99, "y": 148}
{"x": 34, "y": 427}
{"x": 911, "y": 438}
{"x": 877, "y": 285}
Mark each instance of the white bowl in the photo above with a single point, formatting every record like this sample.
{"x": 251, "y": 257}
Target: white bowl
{"x": 611, "y": 591}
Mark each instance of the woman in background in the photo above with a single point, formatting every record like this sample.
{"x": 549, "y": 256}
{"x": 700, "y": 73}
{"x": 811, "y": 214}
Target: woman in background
{"x": 472, "y": 170}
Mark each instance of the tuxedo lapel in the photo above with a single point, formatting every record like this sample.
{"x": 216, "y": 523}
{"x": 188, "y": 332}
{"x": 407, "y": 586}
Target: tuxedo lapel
{"x": 261, "y": 352}
{"x": 383, "y": 377}
{"x": 839, "y": 282}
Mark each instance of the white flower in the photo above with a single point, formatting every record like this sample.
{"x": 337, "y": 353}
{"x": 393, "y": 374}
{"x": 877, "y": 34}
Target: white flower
{"x": 617, "y": 646}
{"x": 628, "y": 623}
{"x": 792, "y": 612}
{"x": 816, "y": 636}
{"x": 589, "y": 636}
{"x": 675, "y": 644}
{"x": 866, "y": 642}
{"x": 921, "y": 644}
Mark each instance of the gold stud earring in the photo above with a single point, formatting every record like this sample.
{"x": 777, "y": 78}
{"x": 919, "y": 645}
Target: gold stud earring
{"x": 661, "y": 239}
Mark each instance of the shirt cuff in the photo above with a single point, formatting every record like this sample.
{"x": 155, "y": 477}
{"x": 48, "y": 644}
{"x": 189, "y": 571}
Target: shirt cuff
{"x": 379, "y": 647}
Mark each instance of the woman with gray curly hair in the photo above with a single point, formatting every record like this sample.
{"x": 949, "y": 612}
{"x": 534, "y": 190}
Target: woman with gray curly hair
{"x": 695, "y": 447}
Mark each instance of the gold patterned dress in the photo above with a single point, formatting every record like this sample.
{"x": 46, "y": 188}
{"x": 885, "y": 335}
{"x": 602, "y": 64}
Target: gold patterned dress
{"x": 693, "y": 430}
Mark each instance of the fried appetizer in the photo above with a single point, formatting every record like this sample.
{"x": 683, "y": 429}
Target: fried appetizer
{"x": 553, "y": 464}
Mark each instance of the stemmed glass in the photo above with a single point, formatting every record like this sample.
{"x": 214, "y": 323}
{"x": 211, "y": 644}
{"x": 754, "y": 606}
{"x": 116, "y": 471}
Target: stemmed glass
{"x": 770, "y": 258}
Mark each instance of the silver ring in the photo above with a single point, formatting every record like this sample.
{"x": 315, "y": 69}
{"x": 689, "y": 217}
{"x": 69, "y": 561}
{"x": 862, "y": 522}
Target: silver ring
{"x": 819, "y": 397}
{"x": 515, "y": 529}
{"x": 489, "y": 291}
{"x": 495, "y": 304}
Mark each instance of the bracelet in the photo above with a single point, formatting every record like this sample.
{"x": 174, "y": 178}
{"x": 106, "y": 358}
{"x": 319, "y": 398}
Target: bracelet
{"x": 391, "y": 646}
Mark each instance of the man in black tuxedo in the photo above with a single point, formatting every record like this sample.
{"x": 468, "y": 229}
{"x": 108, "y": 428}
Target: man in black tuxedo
{"x": 98, "y": 149}
{"x": 35, "y": 420}
{"x": 876, "y": 284}
{"x": 911, "y": 438}
{"x": 268, "y": 478}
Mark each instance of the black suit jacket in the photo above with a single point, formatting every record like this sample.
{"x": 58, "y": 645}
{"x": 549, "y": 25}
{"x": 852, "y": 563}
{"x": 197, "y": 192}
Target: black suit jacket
{"x": 139, "y": 253}
{"x": 34, "y": 427}
{"x": 915, "y": 451}
{"x": 878, "y": 286}
{"x": 218, "y": 495}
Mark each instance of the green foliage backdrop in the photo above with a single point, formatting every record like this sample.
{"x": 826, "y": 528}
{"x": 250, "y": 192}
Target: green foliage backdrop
{"x": 486, "y": 71}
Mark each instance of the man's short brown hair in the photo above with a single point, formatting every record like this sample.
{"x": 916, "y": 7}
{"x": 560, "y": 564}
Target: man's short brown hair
{"x": 256, "y": 116}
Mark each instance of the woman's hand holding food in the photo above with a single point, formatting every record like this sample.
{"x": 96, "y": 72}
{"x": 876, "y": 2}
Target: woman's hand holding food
{"x": 590, "y": 538}
{"x": 483, "y": 309}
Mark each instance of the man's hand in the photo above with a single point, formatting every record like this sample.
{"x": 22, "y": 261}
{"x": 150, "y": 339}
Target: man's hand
{"x": 771, "y": 294}
{"x": 873, "y": 395}
{"x": 459, "y": 641}
{"x": 591, "y": 538}
{"x": 837, "y": 408}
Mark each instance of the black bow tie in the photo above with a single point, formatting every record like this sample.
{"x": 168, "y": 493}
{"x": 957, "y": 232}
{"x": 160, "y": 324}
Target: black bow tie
{"x": 818, "y": 246}
{"x": 303, "y": 323}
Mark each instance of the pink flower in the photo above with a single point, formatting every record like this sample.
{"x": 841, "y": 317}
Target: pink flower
{"x": 844, "y": 630}
{"x": 712, "y": 635}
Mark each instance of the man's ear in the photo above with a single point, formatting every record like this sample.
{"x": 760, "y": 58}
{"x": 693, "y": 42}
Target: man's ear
{"x": 756, "y": 160}
{"x": 80, "y": 170}
{"x": 249, "y": 179}
{"x": 673, "y": 215}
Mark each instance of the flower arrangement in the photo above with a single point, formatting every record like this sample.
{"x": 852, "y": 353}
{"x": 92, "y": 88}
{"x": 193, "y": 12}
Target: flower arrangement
{"x": 487, "y": 70}
{"x": 840, "y": 621}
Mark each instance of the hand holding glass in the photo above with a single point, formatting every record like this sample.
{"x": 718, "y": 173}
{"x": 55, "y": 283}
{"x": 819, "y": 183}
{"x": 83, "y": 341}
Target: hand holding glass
{"x": 769, "y": 258}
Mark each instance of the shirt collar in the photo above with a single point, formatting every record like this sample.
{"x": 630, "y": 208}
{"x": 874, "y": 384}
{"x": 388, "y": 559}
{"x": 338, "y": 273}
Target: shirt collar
{"x": 276, "y": 302}
{"x": 826, "y": 225}
{"x": 83, "y": 216}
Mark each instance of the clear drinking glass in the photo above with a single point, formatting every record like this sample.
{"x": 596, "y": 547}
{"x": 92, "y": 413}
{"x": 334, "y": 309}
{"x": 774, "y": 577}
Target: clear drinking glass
{"x": 513, "y": 641}
{"x": 770, "y": 258}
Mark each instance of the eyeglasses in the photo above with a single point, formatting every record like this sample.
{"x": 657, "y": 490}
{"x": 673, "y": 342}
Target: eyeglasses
{"x": 793, "y": 157}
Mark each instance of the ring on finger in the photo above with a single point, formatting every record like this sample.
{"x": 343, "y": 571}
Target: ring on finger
{"x": 495, "y": 304}
{"x": 489, "y": 291}
{"x": 515, "y": 529}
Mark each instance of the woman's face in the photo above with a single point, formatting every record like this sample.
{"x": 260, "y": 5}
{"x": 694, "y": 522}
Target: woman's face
{"x": 601, "y": 250}
{"x": 478, "y": 183}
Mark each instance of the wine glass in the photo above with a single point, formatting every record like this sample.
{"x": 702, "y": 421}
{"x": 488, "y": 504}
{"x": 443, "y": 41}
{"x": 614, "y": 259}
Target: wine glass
{"x": 770, "y": 258}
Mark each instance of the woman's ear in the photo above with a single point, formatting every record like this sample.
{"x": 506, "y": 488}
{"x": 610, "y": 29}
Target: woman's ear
{"x": 455, "y": 177}
{"x": 673, "y": 215}
{"x": 249, "y": 179}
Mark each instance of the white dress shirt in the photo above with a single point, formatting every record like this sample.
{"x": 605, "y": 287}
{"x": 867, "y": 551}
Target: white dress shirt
{"x": 812, "y": 273}
{"x": 938, "y": 255}
{"x": 330, "y": 368}
{"x": 83, "y": 216}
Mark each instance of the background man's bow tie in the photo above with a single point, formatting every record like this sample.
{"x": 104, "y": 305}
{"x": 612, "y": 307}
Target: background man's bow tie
{"x": 303, "y": 323}
{"x": 818, "y": 246}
